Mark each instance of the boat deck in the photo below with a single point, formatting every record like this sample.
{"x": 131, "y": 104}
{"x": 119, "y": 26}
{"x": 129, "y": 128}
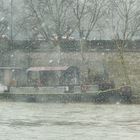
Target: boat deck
{"x": 58, "y": 95}
{"x": 51, "y": 90}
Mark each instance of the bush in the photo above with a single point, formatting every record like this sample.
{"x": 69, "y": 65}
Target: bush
{"x": 105, "y": 85}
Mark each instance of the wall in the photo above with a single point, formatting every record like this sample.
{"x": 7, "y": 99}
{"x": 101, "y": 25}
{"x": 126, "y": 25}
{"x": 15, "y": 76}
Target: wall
{"x": 96, "y": 61}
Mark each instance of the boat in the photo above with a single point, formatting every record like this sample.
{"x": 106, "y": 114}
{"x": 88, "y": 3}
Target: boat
{"x": 63, "y": 84}
{"x": 60, "y": 94}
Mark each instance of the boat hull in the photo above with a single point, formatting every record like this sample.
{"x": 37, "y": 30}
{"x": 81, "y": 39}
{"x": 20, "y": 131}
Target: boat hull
{"x": 101, "y": 97}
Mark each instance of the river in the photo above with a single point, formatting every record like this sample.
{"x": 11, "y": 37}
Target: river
{"x": 33, "y": 121}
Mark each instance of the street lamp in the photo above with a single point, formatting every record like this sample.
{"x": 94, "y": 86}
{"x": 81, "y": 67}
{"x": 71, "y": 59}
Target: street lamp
{"x": 11, "y": 25}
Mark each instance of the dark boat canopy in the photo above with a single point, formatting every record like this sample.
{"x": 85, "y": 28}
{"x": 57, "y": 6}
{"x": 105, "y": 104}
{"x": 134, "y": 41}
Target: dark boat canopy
{"x": 36, "y": 69}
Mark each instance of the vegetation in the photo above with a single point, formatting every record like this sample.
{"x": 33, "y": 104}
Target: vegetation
{"x": 125, "y": 25}
{"x": 70, "y": 25}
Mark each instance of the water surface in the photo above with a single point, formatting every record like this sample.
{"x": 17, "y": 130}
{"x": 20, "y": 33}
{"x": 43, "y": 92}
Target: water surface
{"x": 29, "y": 121}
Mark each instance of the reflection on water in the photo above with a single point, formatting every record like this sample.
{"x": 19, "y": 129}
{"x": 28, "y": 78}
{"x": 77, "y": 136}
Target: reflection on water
{"x": 28, "y": 121}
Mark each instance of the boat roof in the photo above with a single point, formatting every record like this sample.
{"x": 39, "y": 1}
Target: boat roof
{"x": 35, "y": 69}
{"x": 10, "y": 68}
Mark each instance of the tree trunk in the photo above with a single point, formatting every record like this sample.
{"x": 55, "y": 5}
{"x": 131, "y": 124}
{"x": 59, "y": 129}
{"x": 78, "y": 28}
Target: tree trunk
{"x": 59, "y": 54}
{"x": 123, "y": 63}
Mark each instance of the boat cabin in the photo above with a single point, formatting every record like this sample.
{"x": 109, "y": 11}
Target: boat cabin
{"x": 53, "y": 76}
{"x": 12, "y": 76}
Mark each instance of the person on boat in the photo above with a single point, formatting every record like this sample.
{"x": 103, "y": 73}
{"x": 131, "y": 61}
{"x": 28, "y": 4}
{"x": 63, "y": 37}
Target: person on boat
{"x": 126, "y": 93}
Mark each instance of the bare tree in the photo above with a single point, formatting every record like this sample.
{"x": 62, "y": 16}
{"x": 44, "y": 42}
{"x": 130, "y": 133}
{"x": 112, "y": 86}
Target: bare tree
{"x": 4, "y": 26}
{"x": 3, "y": 19}
{"x": 87, "y": 14}
{"x": 50, "y": 19}
{"x": 125, "y": 23}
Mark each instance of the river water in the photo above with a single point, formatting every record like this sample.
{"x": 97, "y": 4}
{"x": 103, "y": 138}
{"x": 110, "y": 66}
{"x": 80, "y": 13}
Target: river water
{"x": 32, "y": 121}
